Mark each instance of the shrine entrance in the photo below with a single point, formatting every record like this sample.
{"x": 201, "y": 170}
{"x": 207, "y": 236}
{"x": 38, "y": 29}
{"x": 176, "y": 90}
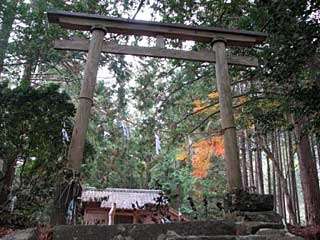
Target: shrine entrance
{"x": 218, "y": 38}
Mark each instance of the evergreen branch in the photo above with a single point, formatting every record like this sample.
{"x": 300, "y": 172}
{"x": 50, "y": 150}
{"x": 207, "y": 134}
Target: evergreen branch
{"x": 138, "y": 9}
{"x": 210, "y": 105}
{"x": 216, "y": 112}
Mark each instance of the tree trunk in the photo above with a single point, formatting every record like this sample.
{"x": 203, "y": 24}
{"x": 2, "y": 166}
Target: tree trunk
{"x": 243, "y": 160}
{"x": 304, "y": 200}
{"x": 268, "y": 172}
{"x": 288, "y": 173}
{"x": 256, "y": 170}
{"x": 9, "y": 15}
{"x": 281, "y": 180}
{"x": 314, "y": 150}
{"x": 269, "y": 175}
{"x": 294, "y": 192}
{"x": 251, "y": 176}
{"x": 318, "y": 150}
{"x": 274, "y": 188}
{"x": 309, "y": 175}
{"x": 27, "y": 72}
{"x": 58, "y": 214}
{"x": 312, "y": 145}
{"x": 7, "y": 181}
{"x": 259, "y": 169}
{"x": 283, "y": 184}
{"x": 279, "y": 172}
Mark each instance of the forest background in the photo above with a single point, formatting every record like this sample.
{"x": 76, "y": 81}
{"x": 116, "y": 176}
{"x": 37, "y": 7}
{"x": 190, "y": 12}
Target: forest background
{"x": 143, "y": 103}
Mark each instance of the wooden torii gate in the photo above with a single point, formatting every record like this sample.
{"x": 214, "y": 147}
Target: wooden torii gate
{"x": 218, "y": 37}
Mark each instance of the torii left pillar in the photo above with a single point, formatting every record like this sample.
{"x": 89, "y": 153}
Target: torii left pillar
{"x": 76, "y": 148}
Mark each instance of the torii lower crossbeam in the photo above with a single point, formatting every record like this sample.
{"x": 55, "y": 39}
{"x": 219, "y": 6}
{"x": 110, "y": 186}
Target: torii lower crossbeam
{"x": 114, "y": 48}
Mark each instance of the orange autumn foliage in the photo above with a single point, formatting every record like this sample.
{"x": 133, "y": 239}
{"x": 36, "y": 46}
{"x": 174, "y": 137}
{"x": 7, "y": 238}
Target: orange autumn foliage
{"x": 198, "y": 106}
{"x": 213, "y": 95}
{"x": 201, "y": 107}
{"x": 182, "y": 156}
{"x": 203, "y": 150}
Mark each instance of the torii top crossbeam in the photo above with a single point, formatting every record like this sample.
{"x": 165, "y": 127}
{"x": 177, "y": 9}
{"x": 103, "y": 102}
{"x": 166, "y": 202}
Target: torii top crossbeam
{"x": 83, "y": 21}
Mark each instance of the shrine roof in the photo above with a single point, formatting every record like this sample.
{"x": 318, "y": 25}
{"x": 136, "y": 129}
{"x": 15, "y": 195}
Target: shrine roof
{"x": 123, "y": 197}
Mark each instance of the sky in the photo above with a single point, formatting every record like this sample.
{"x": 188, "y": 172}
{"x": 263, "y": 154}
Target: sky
{"x": 104, "y": 74}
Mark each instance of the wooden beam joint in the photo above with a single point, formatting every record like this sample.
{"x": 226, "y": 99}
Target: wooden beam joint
{"x": 218, "y": 39}
{"x": 99, "y": 27}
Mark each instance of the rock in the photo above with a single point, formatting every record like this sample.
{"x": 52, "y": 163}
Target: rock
{"x": 26, "y": 234}
{"x": 293, "y": 237}
{"x": 271, "y": 231}
{"x": 251, "y": 226}
{"x": 252, "y": 237}
{"x": 248, "y": 202}
{"x": 200, "y": 230}
{"x": 269, "y": 216}
{"x": 275, "y": 234}
{"x": 145, "y": 231}
{"x": 247, "y": 228}
{"x": 277, "y": 237}
{"x": 205, "y": 238}
{"x": 226, "y": 237}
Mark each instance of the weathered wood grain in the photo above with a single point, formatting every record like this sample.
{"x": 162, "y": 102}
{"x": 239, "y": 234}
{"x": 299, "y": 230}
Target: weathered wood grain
{"x": 76, "y": 147}
{"x": 82, "y": 21}
{"x": 227, "y": 119}
{"x": 201, "y": 56}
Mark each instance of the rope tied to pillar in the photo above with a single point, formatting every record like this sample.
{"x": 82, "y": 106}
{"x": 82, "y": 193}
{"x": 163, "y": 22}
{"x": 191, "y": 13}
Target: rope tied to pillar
{"x": 226, "y": 128}
{"x": 71, "y": 186}
{"x": 71, "y": 190}
{"x": 88, "y": 98}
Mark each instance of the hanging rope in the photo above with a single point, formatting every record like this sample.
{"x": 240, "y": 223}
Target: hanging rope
{"x": 68, "y": 197}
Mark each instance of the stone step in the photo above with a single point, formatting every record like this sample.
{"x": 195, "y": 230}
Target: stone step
{"x": 274, "y": 234}
{"x": 271, "y": 231}
{"x": 145, "y": 231}
{"x": 287, "y": 236}
{"x": 267, "y": 216}
{"x": 247, "y": 228}
{"x": 225, "y": 237}
{"x": 247, "y": 237}
{"x": 201, "y": 230}
{"x": 26, "y": 234}
{"x": 208, "y": 228}
{"x": 264, "y": 234}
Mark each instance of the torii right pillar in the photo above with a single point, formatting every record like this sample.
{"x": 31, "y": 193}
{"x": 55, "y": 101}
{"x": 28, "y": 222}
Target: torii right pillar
{"x": 227, "y": 119}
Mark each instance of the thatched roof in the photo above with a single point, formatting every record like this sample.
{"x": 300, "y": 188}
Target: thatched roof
{"x": 123, "y": 197}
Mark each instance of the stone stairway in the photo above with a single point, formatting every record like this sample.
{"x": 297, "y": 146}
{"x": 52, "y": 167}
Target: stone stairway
{"x": 240, "y": 226}
{"x": 262, "y": 234}
{"x": 245, "y": 225}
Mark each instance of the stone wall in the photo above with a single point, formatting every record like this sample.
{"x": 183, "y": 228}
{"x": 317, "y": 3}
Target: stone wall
{"x": 242, "y": 226}
{"x": 145, "y": 231}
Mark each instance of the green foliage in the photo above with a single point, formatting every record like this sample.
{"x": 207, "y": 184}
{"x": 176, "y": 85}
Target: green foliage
{"x": 31, "y": 121}
{"x": 289, "y": 75}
